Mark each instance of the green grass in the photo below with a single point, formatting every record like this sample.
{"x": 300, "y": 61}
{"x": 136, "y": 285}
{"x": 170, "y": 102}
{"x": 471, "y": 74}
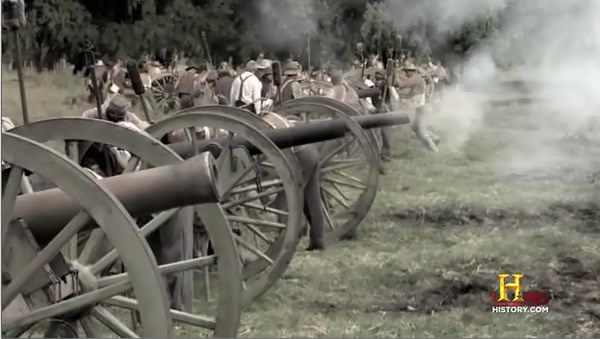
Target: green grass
{"x": 442, "y": 227}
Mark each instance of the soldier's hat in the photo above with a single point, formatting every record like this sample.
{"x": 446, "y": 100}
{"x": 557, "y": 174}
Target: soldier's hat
{"x": 291, "y": 69}
{"x": 264, "y": 64}
{"x": 194, "y": 67}
{"x": 409, "y": 66}
{"x": 118, "y": 104}
{"x": 211, "y": 76}
{"x": 379, "y": 71}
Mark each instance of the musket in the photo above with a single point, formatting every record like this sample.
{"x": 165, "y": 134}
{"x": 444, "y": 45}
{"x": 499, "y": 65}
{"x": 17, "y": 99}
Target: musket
{"x": 360, "y": 49}
{"x": 308, "y": 57}
{"x": 88, "y": 53}
{"x": 206, "y": 49}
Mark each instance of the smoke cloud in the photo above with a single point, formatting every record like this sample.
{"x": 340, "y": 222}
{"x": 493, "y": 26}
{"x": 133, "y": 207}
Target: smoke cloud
{"x": 285, "y": 23}
{"x": 543, "y": 50}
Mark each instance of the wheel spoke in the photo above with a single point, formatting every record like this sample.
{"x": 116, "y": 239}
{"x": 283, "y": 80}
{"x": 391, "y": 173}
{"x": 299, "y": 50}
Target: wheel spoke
{"x": 252, "y": 249}
{"x": 238, "y": 180}
{"x": 346, "y": 164}
{"x": 250, "y": 188}
{"x": 147, "y": 229}
{"x": 328, "y": 218}
{"x": 67, "y": 306}
{"x": 264, "y": 223}
{"x": 236, "y": 203}
{"x": 339, "y": 200}
{"x": 9, "y": 196}
{"x": 172, "y": 268}
{"x": 179, "y": 316}
{"x": 109, "y": 320}
{"x": 348, "y": 176}
{"x": 336, "y": 150}
{"x": 87, "y": 324}
{"x": 332, "y": 181}
{"x": 266, "y": 209}
{"x": 44, "y": 256}
{"x": 91, "y": 245}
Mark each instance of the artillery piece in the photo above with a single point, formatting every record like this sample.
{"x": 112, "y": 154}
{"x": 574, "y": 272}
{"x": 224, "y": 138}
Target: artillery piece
{"x": 148, "y": 150}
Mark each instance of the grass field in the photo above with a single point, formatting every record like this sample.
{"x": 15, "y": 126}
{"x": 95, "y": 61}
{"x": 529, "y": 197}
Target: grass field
{"x": 512, "y": 197}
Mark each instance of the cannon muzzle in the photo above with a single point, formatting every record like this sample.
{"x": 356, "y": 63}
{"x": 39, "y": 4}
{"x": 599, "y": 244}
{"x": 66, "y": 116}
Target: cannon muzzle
{"x": 144, "y": 192}
{"x": 303, "y": 134}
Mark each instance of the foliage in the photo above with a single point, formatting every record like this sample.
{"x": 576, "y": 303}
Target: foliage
{"x": 133, "y": 29}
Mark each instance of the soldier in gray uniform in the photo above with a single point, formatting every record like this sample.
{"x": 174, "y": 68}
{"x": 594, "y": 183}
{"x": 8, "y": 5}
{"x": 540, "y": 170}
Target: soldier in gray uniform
{"x": 308, "y": 160}
{"x": 173, "y": 241}
{"x": 186, "y": 87}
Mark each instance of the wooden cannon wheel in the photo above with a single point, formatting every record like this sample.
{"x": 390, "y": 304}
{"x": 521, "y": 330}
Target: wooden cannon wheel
{"x": 266, "y": 244}
{"x": 163, "y": 92}
{"x": 24, "y": 306}
{"x": 374, "y": 137}
{"x": 145, "y": 148}
{"x": 256, "y": 267}
{"x": 349, "y": 168}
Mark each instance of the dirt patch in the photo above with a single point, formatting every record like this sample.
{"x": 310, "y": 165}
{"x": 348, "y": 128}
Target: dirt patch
{"x": 446, "y": 294}
{"x": 571, "y": 284}
{"x": 587, "y": 215}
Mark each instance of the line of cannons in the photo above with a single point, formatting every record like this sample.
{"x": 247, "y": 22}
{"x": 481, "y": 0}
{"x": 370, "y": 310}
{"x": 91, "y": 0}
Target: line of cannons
{"x": 79, "y": 258}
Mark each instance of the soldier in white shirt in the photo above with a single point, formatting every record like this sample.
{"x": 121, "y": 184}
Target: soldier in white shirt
{"x": 246, "y": 90}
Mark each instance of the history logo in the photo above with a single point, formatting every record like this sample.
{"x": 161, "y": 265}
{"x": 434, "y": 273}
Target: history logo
{"x": 518, "y": 301}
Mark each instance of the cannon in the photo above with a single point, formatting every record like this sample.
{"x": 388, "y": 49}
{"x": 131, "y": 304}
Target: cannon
{"x": 143, "y": 147}
{"x": 30, "y": 288}
{"x": 317, "y": 131}
{"x": 290, "y": 137}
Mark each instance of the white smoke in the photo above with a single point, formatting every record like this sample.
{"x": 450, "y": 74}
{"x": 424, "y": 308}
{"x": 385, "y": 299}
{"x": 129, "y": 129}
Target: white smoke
{"x": 551, "y": 45}
{"x": 285, "y": 23}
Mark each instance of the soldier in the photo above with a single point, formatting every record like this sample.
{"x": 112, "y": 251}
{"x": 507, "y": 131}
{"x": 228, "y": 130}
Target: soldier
{"x": 291, "y": 89}
{"x": 382, "y": 106}
{"x": 118, "y": 77}
{"x": 174, "y": 241}
{"x": 265, "y": 75}
{"x": 223, "y": 84}
{"x": 342, "y": 91}
{"x": 186, "y": 86}
{"x": 115, "y": 108}
{"x": 246, "y": 89}
{"x": 308, "y": 160}
{"x": 100, "y": 72}
{"x": 415, "y": 85}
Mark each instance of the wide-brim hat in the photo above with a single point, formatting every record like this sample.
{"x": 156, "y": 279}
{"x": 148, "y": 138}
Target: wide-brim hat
{"x": 194, "y": 67}
{"x": 291, "y": 69}
{"x": 409, "y": 67}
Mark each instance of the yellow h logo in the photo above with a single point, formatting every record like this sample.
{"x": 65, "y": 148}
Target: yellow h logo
{"x": 515, "y": 286}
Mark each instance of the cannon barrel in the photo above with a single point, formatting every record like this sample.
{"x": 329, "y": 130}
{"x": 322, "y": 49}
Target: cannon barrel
{"x": 367, "y": 92}
{"x": 141, "y": 193}
{"x": 303, "y": 134}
